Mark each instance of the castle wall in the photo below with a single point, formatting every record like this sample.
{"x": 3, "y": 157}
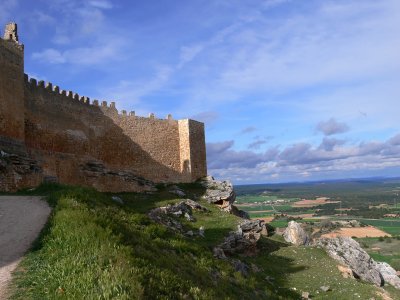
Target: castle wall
{"x": 61, "y": 123}
{"x": 51, "y": 134}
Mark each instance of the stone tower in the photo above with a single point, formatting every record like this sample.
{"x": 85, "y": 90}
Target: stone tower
{"x": 11, "y": 32}
{"x": 11, "y": 85}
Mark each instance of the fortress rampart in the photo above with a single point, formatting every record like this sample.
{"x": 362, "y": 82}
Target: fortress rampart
{"x": 51, "y": 134}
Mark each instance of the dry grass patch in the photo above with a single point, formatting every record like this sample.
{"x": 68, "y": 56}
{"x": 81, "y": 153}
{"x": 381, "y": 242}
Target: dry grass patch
{"x": 359, "y": 232}
{"x": 312, "y": 203}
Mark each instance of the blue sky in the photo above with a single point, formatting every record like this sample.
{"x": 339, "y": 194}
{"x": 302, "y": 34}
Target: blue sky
{"x": 288, "y": 90}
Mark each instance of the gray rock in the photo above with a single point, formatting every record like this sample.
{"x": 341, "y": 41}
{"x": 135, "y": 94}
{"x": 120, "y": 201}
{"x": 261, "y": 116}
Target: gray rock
{"x": 201, "y": 231}
{"x": 241, "y": 267}
{"x": 349, "y": 253}
{"x": 218, "y": 192}
{"x": 232, "y": 209}
{"x": 219, "y": 253}
{"x": 222, "y": 194}
{"x": 177, "y": 191}
{"x": 347, "y": 223}
{"x": 189, "y": 217}
{"x": 96, "y": 169}
{"x": 295, "y": 234}
{"x": 244, "y": 239}
{"x": 389, "y": 274}
{"x": 325, "y": 288}
{"x": 167, "y": 215}
{"x": 117, "y": 199}
{"x": 196, "y": 206}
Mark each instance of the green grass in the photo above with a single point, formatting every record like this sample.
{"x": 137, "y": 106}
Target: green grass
{"x": 279, "y": 223}
{"x": 389, "y": 250}
{"x": 93, "y": 248}
{"x": 261, "y": 215}
{"x": 391, "y": 226}
{"x": 276, "y": 208}
{"x": 255, "y": 208}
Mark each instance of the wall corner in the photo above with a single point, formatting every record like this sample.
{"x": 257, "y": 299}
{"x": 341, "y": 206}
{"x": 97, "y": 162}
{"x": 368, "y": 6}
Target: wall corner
{"x": 192, "y": 150}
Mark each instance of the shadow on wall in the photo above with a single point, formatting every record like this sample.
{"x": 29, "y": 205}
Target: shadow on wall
{"x": 82, "y": 144}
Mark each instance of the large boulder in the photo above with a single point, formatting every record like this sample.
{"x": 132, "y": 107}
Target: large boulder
{"x": 349, "y": 253}
{"x": 389, "y": 274}
{"x": 243, "y": 240}
{"x": 218, "y": 192}
{"x": 222, "y": 194}
{"x": 296, "y": 235}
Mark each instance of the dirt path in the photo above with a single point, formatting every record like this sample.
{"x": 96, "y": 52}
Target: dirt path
{"x": 21, "y": 219}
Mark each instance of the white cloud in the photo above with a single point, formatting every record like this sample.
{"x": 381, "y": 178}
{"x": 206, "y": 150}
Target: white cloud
{"x": 332, "y": 127}
{"x": 130, "y": 92}
{"x": 350, "y": 44}
{"x": 332, "y": 45}
{"x": 188, "y": 53}
{"x": 207, "y": 117}
{"x": 248, "y": 129}
{"x": 51, "y": 56}
{"x": 299, "y": 159}
{"x": 103, "y": 4}
{"x": 95, "y": 55}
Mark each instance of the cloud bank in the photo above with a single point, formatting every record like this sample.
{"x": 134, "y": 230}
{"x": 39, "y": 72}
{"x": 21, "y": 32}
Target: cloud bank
{"x": 300, "y": 161}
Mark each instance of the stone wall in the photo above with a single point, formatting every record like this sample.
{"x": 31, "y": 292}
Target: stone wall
{"x": 64, "y": 137}
{"x": 192, "y": 149}
{"x": 11, "y": 89}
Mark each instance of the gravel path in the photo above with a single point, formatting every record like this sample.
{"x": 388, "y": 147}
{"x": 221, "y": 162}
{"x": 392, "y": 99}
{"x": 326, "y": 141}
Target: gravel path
{"x": 21, "y": 219}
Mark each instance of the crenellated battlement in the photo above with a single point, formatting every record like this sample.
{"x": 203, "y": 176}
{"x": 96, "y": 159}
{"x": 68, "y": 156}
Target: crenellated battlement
{"x": 41, "y": 86}
{"x": 81, "y": 141}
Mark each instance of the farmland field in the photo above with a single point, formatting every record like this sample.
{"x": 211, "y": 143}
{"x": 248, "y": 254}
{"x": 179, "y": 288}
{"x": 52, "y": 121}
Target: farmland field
{"x": 371, "y": 201}
{"x": 383, "y": 249}
{"x": 388, "y": 225}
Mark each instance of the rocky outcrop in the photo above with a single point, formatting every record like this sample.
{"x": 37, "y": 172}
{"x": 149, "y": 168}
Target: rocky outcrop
{"x": 243, "y": 240}
{"x": 222, "y": 194}
{"x": 353, "y": 258}
{"x": 20, "y": 164}
{"x": 347, "y": 223}
{"x": 295, "y": 234}
{"x": 95, "y": 170}
{"x": 349, "y": 253}
{"x": 177, "y": 191}
{"x": 17, "y": 169}
{"x": 389, "y": 274}
{"x": 232, "y": 209}
{"x": 169, "y": 215}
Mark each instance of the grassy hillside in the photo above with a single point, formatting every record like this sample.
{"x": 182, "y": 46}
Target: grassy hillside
{"x": 95, "y": 248}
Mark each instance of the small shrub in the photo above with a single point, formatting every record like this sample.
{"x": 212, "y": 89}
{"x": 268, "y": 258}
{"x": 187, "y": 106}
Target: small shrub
{"x": 364, "y": 245}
